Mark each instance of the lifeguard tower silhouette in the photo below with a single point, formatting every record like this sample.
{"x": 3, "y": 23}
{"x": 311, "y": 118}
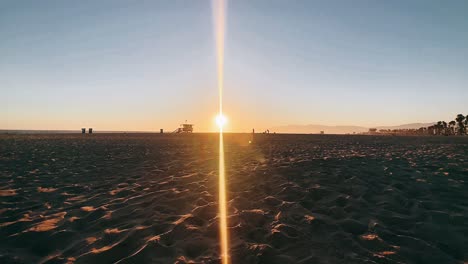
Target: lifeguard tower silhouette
{"x": 184, "y": 128}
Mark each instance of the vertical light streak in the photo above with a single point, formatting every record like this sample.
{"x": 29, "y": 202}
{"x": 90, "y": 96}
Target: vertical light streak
{"x": 219, "y": 27}
{"x": 219, "y": 16}
{"x": 223, "y": 205}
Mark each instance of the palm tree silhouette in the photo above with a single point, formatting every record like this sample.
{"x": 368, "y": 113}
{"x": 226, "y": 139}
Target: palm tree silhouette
{"x": 430, "y": 130}
{"x": 466, "y": 124}
{"x": 444, "y": 125}
{"x": 461, "y": 125}
{"x": 452, "y": 127}
{"x": 439, "y": 127}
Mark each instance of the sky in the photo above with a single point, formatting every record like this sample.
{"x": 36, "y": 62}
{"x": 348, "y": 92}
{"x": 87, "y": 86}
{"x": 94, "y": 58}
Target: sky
{"x": 146, "y": 65}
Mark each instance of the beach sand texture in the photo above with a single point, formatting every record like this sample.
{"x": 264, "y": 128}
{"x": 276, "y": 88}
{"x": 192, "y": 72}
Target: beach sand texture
{"x": 150, "y": 198}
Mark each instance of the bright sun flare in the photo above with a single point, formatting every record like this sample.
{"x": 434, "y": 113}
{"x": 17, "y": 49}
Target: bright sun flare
{"x": 221, "y": 120}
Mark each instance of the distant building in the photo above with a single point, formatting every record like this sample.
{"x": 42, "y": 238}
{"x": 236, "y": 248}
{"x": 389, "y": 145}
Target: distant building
{"x": 161, "y": 131}
{"x": 90, "y": 130}
{"x": 83, "y": 131}
{"x": 372, "y": 130}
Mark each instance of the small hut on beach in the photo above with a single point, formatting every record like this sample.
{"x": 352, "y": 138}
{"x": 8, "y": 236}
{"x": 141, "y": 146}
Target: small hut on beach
{"x": 184, "y": 128}
{"x": 187, "y": 128}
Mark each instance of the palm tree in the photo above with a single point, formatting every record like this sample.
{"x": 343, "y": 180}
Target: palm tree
{"x": 461, "y": 126}
{"x": 439, "y": 127}
{"x": 452, "y": 127}
{"x": 430, "y": 130}
{"x": 444, "y": 125}
{"x": 466, "y": 124}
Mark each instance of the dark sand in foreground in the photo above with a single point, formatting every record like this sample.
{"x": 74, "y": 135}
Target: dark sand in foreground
{"x": 149, "y": 198}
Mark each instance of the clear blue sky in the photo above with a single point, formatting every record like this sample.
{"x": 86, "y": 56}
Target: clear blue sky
{"x": 145, "y": 65}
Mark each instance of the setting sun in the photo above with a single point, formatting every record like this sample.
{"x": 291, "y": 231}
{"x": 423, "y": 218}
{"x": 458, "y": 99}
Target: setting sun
{"x": 221, "y": 120}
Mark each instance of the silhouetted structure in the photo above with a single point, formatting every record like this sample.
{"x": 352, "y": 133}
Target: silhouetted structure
{"x": 161, "y": 131}
{"x": 184, "y": 128}
{"x": 83, "y": 131}
{"x": 90, "y": 130}
{"x": 187, "y": 128}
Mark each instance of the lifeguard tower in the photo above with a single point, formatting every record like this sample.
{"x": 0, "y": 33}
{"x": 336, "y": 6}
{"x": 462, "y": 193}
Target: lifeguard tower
{"x": 184, "y": 128}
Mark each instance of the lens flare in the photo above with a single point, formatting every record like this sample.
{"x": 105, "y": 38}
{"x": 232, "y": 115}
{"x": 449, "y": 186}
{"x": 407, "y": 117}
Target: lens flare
{"x": 219, "y": 28}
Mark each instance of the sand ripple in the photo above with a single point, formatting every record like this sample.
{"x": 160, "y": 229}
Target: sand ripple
{"x": 292, "y": 199}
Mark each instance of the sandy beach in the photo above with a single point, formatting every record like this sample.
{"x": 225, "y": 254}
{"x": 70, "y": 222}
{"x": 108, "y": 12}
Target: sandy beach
{"x": 150, "y": 198}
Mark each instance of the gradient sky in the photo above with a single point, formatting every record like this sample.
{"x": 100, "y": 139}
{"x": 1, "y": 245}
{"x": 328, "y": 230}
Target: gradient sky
{"x": 145, "y": 65}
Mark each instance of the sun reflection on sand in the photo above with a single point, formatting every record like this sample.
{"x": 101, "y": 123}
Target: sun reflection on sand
{"x": 219, "y": 24}
{"x": 222, "y": 204}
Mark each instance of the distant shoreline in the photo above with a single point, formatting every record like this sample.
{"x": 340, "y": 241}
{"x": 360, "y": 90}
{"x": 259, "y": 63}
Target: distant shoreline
{"x": 19, "y": 131}
{"x": 78, "y": 132}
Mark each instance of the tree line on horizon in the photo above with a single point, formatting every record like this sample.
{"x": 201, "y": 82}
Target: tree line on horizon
{"x": 453, "y": 127}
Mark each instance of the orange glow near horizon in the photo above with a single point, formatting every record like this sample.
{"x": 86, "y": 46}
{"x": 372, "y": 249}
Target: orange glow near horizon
{"x": 219, "y": 25}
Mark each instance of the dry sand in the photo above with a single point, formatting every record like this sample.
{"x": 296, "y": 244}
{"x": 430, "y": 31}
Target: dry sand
{"x": 135, "y": 198}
